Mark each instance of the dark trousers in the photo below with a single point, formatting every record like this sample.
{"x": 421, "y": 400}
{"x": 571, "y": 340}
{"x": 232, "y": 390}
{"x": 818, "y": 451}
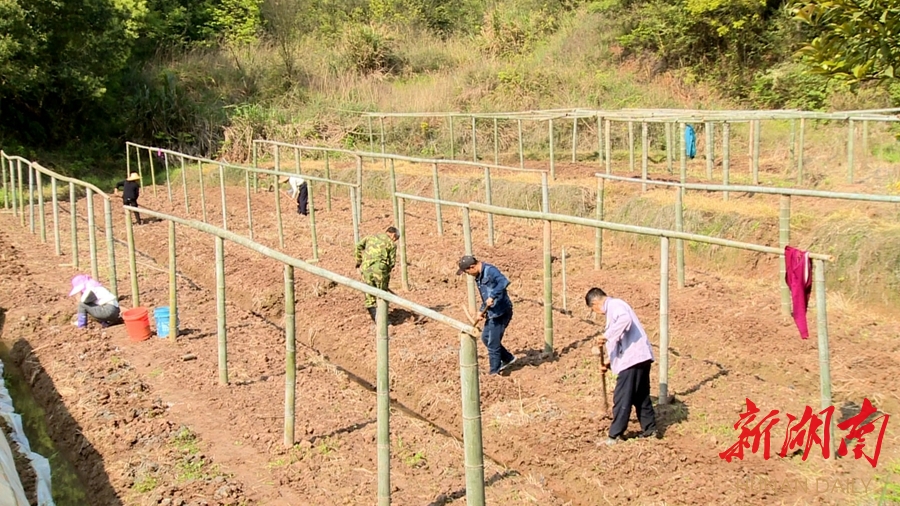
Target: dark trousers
{"x": 492, "y": 337}
{"x": 104, "y": 313}
{"x": 133, "y": 203}
{"x": 633, "y": 389}
{"x": 303, "y": 199}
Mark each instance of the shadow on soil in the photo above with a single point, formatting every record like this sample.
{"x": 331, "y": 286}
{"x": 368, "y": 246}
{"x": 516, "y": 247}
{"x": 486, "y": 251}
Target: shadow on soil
{"x": 444, "y": 499}
{"x": 343, "y": 430}
{"x": 54, "y": 420}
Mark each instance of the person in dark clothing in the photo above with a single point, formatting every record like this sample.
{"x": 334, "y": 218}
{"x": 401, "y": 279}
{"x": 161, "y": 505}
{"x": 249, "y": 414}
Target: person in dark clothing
{"x": 497, "y": 309}
{"x": 131, "y": 190}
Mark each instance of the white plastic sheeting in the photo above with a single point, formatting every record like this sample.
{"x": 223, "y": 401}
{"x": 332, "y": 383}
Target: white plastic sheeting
{"x": 40, "y": 464}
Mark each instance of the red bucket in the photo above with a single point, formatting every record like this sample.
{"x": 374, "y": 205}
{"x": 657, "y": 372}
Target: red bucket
{"x": 137, "y": 323}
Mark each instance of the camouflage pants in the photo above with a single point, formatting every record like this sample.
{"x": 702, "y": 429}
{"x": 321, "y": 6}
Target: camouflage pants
{"x": 377, "y": 279}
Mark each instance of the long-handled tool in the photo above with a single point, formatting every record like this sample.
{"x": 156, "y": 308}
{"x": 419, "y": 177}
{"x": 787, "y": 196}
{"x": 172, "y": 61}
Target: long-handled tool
{"x": 474, "y": 321}
{"x": 601, "y": 353}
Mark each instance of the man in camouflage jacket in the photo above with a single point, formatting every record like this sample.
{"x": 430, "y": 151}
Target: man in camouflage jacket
{"x": 375, "y": 257}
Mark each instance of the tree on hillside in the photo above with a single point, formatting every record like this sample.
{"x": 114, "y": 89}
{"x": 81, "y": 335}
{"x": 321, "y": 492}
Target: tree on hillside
{"x": 856, "y": 41}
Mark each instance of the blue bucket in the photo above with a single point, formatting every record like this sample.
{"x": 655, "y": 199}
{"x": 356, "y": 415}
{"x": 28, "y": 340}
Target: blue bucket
{"x": 161, "y": 318}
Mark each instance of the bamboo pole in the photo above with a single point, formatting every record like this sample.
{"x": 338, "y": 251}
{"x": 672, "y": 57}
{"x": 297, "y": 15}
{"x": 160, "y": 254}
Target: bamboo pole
{"x": 631, "y": 146}
{"x": 865, "y": 144}
{"x": 851, "y": 133}
{"x": 608, "y": 142}
{"x": 128, "y": 159}
{"x": 664, "y": 321}
{"x": 452, "y": 142}
{"x": 382, "y": 147}
{"x": 54, "y": 203}
{"x": 726, "y": 160}
{"x": 800, "y": 151}
{"x": 21, "y": 192}
{"x": 327, "y": 185}
{"x": 784, "y": 238}
{"x": 488, "y": 199}
{"x": 92, "y": 238}
{"x": 220, "y": 311}
{"x": 683, "y": 154}
{"x": 598, "y": 232}
{"x": 471, "y": 405}
{"x": 496, "y": 144}
{"x": 757, "y": 133}
{"x": 521, "y": 146}
{"x": 393, "y": 188}
{"x": 42, "y": 213}
{"x": 222, "y": 191}
{"x": 644, "y": 154}
{"x": 548, "y": 270}
{"x": 669, "y": 147}
{"x": 297, "y": 160}
{"x": 73, "y": 212}
{"x": 574, "y": 139}
{"x": 354, "y": 215}
{"x": 679, "y": 244}
{"x": 278, "y": 221}
{"x": 187, "y": 207}
{"x": 710, "y": 149}
{"x": 552, "y": 156}
{"x": 359, "y": 188}
{"x": 168, "y": 183}
{"x": 474, "y": 141}
{"x": 132, "y": 261}
{"x": 249, "y": 206}
{"x": 31, "y": 172}
{"x": 793, "y": 151}
{"x": 152, "y": 174}
{"x": 290, "y": 357}
{"x": 110, "y": 248}
{"x": 383, "y": 391}
{"x": 467, "y": 240}
{"x": 822, "y": 324}
{"x": 565, "y": 303}
{"x": 600, "y": 139}
{"x": 202, "y": 191}
{"x": 3, "y": 165}
{"x": 401, "y": 226}
{"x": 312, "y": 221}
{"x": 256, "y": 165}
{"x": 371, "y": 135}
{"x": 437, "y": 198}
{"x": 137, "y": 153}
{"x": 173, "y": 286}
{"x": 12, "y": 187}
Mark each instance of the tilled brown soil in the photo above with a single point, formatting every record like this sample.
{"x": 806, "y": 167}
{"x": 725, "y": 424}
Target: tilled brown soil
{"x": 541, "y": 422}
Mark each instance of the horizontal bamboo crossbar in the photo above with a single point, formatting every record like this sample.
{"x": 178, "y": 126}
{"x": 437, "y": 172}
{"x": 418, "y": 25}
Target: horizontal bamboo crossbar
{"x": 43, "y": 170}
{"x": 430, "y": 200}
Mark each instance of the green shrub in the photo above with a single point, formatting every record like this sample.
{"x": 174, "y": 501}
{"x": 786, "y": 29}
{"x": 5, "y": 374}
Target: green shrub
{"x": 371, "y": 50}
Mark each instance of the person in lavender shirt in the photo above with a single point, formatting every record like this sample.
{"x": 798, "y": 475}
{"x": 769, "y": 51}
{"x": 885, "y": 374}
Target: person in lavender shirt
{"x": 630, "y": 358}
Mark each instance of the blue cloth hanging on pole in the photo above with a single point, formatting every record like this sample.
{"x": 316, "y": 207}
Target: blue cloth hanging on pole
{"x": 690, "y": 142}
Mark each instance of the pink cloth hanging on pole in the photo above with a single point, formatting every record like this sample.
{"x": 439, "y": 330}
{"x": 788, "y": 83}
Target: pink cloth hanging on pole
{"x": 798, "y": 276}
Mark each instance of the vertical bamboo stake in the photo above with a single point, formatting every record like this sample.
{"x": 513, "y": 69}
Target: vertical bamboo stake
{"x": 152, "y": 173}
{"x": 401, "y": 225}
{"x": 598, "y": 231}
{"x": 474, "y": 141}
{"x": 784, "y": 238}
{"x": 710, "y": 149}
{"x": 496, "y": 144}
{"x": 800, "y": 151}
{"x": 255, "y": 166}
{"x": 467, "y": 240}
{"x": 137, "y": 154}
{"x": 42, "y": 219}
{"x": 328, "y": 185}
{"x": 249, "y": 207}
{"x": 383, "y": 390}
{"x": 393, "y": 188}
{"x": 359, "y": 188}
{"x": 168, "y": 183}
{"x": 277, "y": 162}
{"x": 664, "y": 321}
{"x": 471, "y": 406}
{"x": 222, "y": 191}
{"x": 220, "y": 311}
{"x": 31, "y": 172}
{"x": 54, "y": 203}
{"x": 548, "y": 270}
{"x": 574, "y": 139}
{"x": 354, "y": 214}
{"x": 21, "y": 192}
{"x": 383, "y": 160}
{"x": 132, "y": 261}
{"x": 645, "y": 153}
{"x": 599, "y": 139}
{"x": 865, "y": 144}
{"x": 173, "y": 286}
{"x": 565, "y": 303}
{"x": 202, "y": 191}
{"x": 683, "y": 152}
{"x": 679, "y": 243}
{"x": 11, "y": 189}
{"x": 278, "y": 221}
{"x": 371, "y": 134}
{"x": 851, "y": 133}
{"x": 822, "y": 323}
{"x": 297, "y": 160}
{"x": 757, "y": 133}
{"x": 110, "y": 248}
{"x": 437, "y": 198}
{"x": 552, "y": 156}
{"x": 312, "y": 221}
{"x": 290, "y": 356}
{"x": 608, "y": 142}
{"x": 92, "y": 238}
{"x": 631, "y": 146}
{"x": 793, "y": 151}
{"x": 669, "y": 147}
{"x": 521, "y": 145}
{"x": 127, "y": 159}
{"x": 73, "y": 212}
{"x": 3, "y": 165}
{"x": 487, "y": 200}
{"x": 726, "y": 159}
{"x": 452, "y": 142}
{"x": 187, "y": 207}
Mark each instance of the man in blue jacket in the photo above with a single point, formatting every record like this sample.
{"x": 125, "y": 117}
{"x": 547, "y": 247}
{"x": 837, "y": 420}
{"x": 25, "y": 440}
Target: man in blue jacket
{"x": 496, "y": 307}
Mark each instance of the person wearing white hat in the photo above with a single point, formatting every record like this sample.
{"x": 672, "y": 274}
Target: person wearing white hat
{"x": 131, "y": 190}
{"x": 95, "y": 301}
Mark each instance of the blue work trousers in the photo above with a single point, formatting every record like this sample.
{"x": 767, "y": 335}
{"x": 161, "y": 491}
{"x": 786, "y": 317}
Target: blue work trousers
{"x": 492, "y": 337}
